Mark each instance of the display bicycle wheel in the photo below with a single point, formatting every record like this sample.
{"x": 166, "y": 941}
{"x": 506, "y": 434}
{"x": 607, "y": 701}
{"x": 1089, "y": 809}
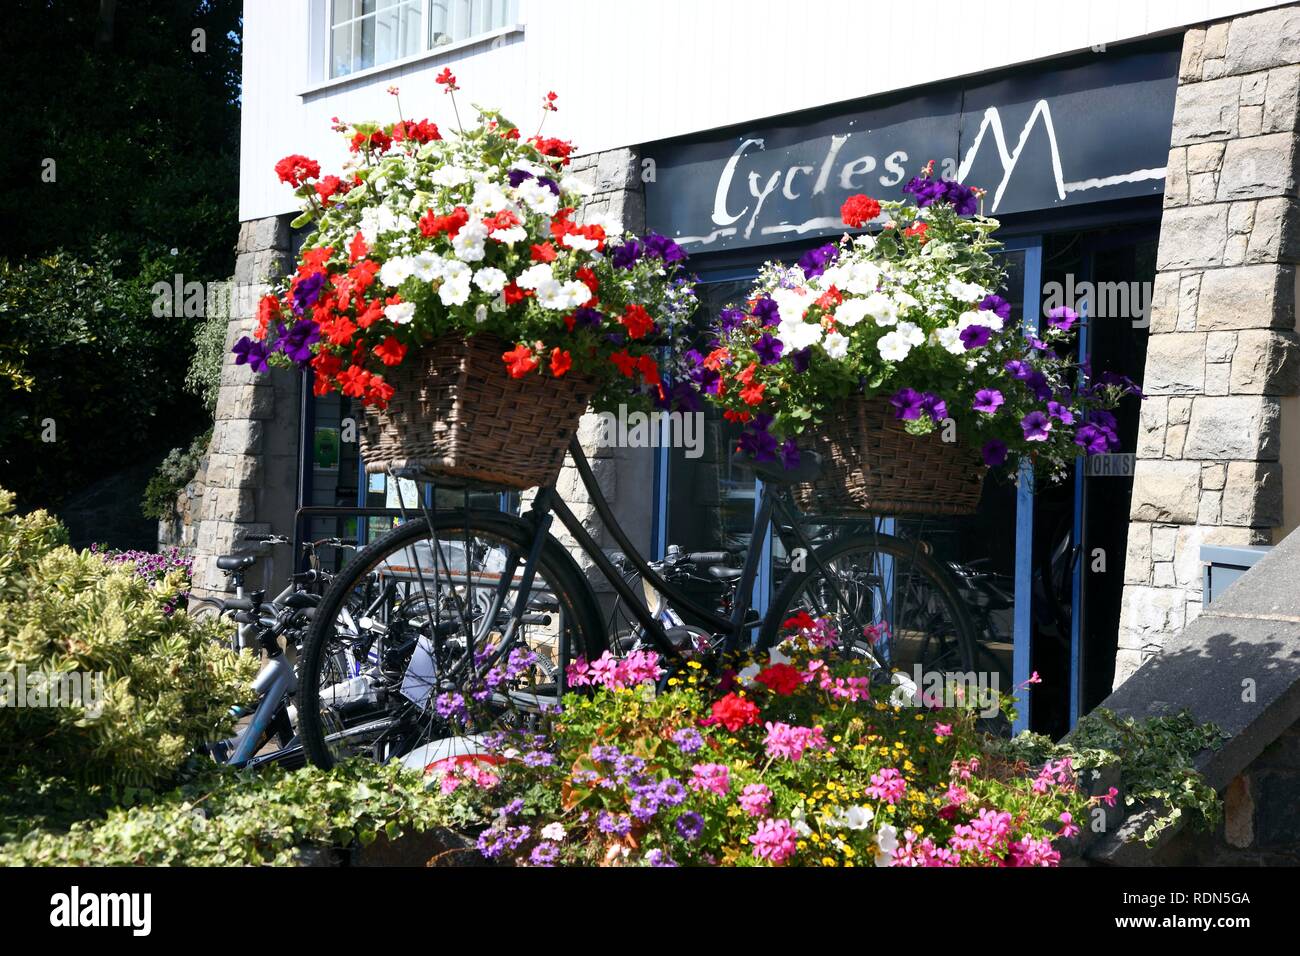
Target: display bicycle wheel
{"x": 416, "y": 639}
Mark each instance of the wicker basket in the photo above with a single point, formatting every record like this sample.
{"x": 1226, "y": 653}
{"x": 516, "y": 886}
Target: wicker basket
{"x": 458, "y": 417}
{"x": 871, "y": 464}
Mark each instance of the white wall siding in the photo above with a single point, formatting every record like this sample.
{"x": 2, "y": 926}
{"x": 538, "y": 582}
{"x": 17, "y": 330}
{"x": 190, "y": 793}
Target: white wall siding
{"x": 629, "y": 72}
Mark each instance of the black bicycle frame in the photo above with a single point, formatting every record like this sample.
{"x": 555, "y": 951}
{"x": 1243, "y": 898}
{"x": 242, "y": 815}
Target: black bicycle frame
{"x": 734, "y": 627}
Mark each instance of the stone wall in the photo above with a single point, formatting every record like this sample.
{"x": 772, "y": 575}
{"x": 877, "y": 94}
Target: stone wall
{"x": 1223, "y": 353}
{"x": 252, "y": 467}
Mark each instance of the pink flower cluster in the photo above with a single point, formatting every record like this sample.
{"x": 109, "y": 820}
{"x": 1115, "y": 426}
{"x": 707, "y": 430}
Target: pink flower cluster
{"x": 1032, "y": 851}
{"x": 791, "y": 742}
{"x": 963, "y": 769}
{"x": 756, "y": 799}
{"x": 986, "y": 835}
{"x": 774, "y": 841}
{"x": 711, "y": 777}
{"x": 616, "y": 673}
{"x": 841, "y": 688}
{"x": 887, "y": 785}
{"x": 914, "y": 852}
{"x": 1058, "y": 773}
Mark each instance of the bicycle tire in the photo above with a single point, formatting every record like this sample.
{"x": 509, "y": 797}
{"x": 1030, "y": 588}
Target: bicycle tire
{"x": 886, "y": 545}
{"x": 556, "y": 565}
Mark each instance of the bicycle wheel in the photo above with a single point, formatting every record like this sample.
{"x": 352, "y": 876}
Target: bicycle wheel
{"x": 426, "y": 657}
{"x": 905, "y": 602}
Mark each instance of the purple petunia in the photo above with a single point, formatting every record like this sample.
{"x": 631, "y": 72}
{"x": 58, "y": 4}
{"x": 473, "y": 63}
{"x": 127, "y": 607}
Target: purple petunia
{"x": 1061, "y": 413}
{"x": 307, "y": 291}
{"x": 997, "y": 305}
{"x": 814, "y": 261}
{"x": 789, "y": 454}
{"x": 1036, "y": 425}
{"x": 584, "y": 316}
{"x": 298, "y": 341}
{"x": 800, "y": 359}
{"x": 988, "y": 401}
{"x": 1062, "y": 317}
{"x": 994, "y": 452}
{"x": 934, "y": 406}
{"x": 907, "y": 404}
{"x": 729, "y": 320}
{"x": 974, "y": 336}
{"x": 663, "y": 248}
{"x": 1018, "y": 369}
{"x": 1092, "y": 439}
{"x": 251, "y": 353}
{"x": 765, "y": 310}
{"x": 769, "y": 349}
{"x": 625, "y": 256}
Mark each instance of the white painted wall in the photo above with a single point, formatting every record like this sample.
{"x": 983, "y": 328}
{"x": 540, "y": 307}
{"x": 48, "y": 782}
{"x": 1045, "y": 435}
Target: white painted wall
{"x": 631, "y": 72}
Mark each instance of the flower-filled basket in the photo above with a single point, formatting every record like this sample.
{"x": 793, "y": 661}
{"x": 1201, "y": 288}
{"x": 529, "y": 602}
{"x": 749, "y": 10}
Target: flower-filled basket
{"x": 892, "y": 354}
{"x": 455, "y": 288}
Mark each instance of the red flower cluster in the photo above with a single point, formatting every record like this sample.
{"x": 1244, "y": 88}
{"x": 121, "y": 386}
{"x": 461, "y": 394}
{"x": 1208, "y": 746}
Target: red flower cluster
{"x": 379, "y": 141}
{"x": 421, "y": 132}
{"x": 859, "y": 210}
{"x": 733, "y": 712}
{"x": 780, "y": 678}
{"x": 296, "y": 170}
{"x": 550, "y": 146}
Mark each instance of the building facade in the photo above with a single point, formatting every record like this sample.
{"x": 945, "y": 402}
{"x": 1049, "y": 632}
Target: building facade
{"x": 1142, "y": 157}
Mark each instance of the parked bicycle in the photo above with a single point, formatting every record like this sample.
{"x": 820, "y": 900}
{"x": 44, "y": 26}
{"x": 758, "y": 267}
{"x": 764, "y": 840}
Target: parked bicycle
{"x": 274, "y": 629}
{"x": 456, "y": 594}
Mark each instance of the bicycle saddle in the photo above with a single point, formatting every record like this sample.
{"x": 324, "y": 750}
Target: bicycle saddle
{"x": 808, "y": 469}
{"x": 721, "y": 573}
{"x": 236, "y": 562}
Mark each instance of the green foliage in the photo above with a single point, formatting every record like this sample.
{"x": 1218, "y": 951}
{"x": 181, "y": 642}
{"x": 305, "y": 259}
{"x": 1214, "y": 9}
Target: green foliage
{"x": 142, "y": 127}
{"x": 1156, "y": 758}
{"x": 154, "y": 684}
{"x": 174, "y": 472}
{"x": 243, "y": 818}
{"x": 93, "y": 375}
{"x": 203, "y": 377}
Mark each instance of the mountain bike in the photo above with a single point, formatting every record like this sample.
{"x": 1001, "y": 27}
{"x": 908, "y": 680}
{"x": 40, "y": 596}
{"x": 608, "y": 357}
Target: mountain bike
{"x": 472, "y": 606}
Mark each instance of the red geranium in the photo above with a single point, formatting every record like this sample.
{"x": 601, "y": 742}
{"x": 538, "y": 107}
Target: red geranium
{"x": 296, "y": 170}
{"x": 733, "y": 712}
{"x": 637, "y": 321}
{"x": 519, "y": 360}
{"x": 780, "y": 678}
{"x": 859, "y": 210}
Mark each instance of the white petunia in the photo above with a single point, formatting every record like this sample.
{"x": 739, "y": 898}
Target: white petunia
{"x": 893, "y": 346}
{"x": 581, "y": 243}
{"x": 857, "y": 818}
{"x": 881, "y": 308}
{"x": 965, "y": 291}
{"x": 799, "y": 334}
{"x": 454, "y": 293}
{"x": 949, "y": 337}
{"x": 449, "y": 176}
{"x": 426, "y": 266}
{"x": 836, "y": 345}
{"x": 488, "y": 198}
{"x": 886, "y": 844}
{"x": 572, "y": 184}
{"x": 468, "y": 244}
{"x": 979, "y": 317}
{"x": 577, "y": 293}
{"x": 510, "y": 236}
{"x": 396, "y": 271}
{"x": 553, "y": 831}
{"x": 912, "y": 332}
{"x": 534, "y": 276}
{"x": 490, "y": 280}
{"x": 850, "y": 312}
{"x": 538, "y": 197}
{"x": 400, "y": 313}
{"x": 551, "y": 295}
{"x": 863, "y": 278}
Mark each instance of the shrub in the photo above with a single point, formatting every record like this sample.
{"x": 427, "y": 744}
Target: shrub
{"x": 152, "y": 684}
{"x": 242, "y": 818}
{"x": 174, "y": 472}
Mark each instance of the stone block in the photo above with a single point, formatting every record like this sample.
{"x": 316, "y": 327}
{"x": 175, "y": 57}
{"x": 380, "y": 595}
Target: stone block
{"x": 1149, "y": 614}
{"x": 1219, "y": 346}
{"x": 1252, "y": 495}
{"x": 1164, "y": 540}
{"x": 1175, "y": 364}
{"x": 1164, "y": 303}
{"x": 1152, "y": 421}
{"x": 1192, "y": 237}
{"x": 1165, "y": 491}
{"x": 1218, "y": 378}
{"x": 1206, "y": 111}
{"x": 1204, "y": 157}
{"x": 1246, "y": 297}
{"x": 1137, "y": 555}
{"x": 1213, "y": 476}
{"x": 1275, "y": 231}
{"x": 1241, "y": 217}
{"x": 1266, "y": 362}
{"x": 1250, "y": 120}
{"x": 1257, "y": 167}
{"x": 1282, "y": 100}
{"x": 1175, "y": 435}
{"x": 1264, "y": 40}
{"x": 1177, "y": 190}
{"x": 1211, "y": 507}
{"x": 1238, "y": 427}
{"x": 1189, "y": 65}
{"x": 237, "y": 437}
{"x": 245, "y": 401}
{"x": 1180, "y": 411}
{"x": 1253, "y": 89}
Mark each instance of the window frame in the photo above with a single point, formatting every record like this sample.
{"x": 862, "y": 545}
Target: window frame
{"x": 321, "y": 60}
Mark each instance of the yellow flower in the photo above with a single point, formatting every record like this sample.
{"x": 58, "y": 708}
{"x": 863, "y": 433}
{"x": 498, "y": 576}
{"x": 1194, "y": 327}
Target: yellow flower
{"x": 694, "y": 665}
{"x": 673, "y": 682}
{"x": 827, "y": 861}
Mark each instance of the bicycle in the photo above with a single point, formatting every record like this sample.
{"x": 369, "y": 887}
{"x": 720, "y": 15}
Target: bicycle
{"x": 261, "y": 627}
{"x": 452, "y": 630}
